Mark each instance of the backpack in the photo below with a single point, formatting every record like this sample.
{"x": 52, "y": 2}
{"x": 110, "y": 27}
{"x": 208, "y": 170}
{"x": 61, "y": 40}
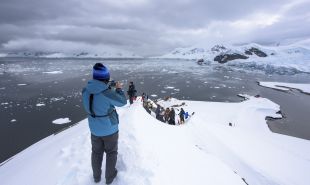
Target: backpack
{"x": 113, "y": 117}
{"x": 186, "y": 115}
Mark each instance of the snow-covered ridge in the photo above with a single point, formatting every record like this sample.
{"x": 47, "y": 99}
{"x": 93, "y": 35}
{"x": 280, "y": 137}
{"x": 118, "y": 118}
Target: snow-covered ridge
{"x": 198, "y": 52}
{"x": 209, "y": 53}
{"x": 206, "y": 150}
{"x": 81, "y": 54}
{"x": 294, "y": 56}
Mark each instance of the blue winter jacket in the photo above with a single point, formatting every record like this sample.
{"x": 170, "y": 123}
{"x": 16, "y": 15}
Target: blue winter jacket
{"x": 104, "y": 102}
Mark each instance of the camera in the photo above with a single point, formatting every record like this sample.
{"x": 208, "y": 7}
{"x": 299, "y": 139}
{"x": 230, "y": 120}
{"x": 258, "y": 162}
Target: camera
{"x": 112, "y": 84}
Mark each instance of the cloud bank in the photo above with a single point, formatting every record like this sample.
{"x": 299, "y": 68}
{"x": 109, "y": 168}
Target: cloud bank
{"x": 147, "y": 27}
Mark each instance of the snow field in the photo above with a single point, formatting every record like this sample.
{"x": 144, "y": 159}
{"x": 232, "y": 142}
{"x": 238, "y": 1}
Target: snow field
{"x": 255, "y": 153}
{"x": 203, "y": 151}
{"x": 170, "y": 156}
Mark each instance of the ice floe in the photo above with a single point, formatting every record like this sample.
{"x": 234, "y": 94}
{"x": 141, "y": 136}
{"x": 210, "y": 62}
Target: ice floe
{"x": 169, "y": 87}
{"x": 305, "y": 88}
{"x": 61, "y": 121}
{"x": 57, "y": 99}
{"x": 40, "y": 104}
{"x": 13, "y": 120}
{"x": 53, "y": 72}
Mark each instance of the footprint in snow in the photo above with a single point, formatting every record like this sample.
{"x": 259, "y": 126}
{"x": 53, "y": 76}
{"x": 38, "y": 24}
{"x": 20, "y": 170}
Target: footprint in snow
{"x": 69, "y": 178}
{"x": 120, "y": 165}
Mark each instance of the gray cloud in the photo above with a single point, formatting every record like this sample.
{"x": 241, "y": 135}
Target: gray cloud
{"x": 147, "y": 27}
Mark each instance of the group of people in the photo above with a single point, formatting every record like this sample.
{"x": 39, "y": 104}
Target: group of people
{"x": 168, "y": 115}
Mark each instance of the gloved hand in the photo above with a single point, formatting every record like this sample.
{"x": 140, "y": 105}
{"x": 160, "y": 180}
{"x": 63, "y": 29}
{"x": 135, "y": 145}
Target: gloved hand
{"x": 119, "y": 85}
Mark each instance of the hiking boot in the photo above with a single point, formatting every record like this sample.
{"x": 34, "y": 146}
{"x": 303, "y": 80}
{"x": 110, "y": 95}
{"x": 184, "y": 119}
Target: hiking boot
{"x": 97, "y": 179}
{"x": 112, "y": 178}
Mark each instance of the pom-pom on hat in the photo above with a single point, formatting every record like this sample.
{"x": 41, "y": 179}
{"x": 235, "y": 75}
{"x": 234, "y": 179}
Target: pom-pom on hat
{"x": 100, "y": 72}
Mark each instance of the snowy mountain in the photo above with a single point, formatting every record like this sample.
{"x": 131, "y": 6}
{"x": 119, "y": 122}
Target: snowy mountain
{"x": 205, "y": 150}
{"x": 252, "y": 50}
{"x": 81, "y": 54}
{"x": 198, "y": 52}
{"x": 295, "y": 56}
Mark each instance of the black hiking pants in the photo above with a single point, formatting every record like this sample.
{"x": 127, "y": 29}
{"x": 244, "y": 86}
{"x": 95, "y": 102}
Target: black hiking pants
{"x": 182, "y": 118}
{"x": 109, "y": 145}
{"x": 171, "y": 122}
{"x": 131, "y": 99}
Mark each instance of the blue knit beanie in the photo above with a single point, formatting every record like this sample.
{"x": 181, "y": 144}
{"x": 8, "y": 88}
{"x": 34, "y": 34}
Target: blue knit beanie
{"x": 100, "y": 72}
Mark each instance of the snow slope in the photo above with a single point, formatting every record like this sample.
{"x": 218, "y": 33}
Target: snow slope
{"x": 305, "y": 88}
{"x": 204, "y": 151}
{"x": 191, "y": 53}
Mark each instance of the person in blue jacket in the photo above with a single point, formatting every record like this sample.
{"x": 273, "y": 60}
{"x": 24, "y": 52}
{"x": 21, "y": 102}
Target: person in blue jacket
{"x": 99, "y": 101}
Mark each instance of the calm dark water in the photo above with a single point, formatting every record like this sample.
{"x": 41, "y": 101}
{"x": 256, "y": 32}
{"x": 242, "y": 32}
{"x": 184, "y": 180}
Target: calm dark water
{"x": 25, "y": 83}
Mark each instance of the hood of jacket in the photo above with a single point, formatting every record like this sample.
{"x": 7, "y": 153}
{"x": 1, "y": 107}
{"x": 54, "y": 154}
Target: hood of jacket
{"x": 96, "y": 86}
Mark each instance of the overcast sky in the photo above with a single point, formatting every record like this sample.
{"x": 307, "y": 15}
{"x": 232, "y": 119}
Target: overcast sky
{"x": 147, "y": 27}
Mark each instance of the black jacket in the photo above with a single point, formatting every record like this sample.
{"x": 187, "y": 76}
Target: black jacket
{"x": 172, "y": 115}
{"x": 131, "y": 90}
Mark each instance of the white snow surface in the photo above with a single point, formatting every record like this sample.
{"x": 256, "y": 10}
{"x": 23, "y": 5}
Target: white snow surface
{"x": 62, "y": 121}
{"x": 205, "y": 150}
{"x": 305, "y": 88}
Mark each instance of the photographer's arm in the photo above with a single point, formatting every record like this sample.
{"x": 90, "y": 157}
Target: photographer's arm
{"x": 117, "y": 97}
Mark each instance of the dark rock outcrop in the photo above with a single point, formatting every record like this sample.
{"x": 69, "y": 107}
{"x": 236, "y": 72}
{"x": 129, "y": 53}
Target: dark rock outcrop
{"x": 196, "y": 50}
{"x": 223, "y": 58}
{"x": 247, "y": 52}
{"x": 218, "y": 48}
{"x": 82, "y": 54}
{"x": 176, "y": 52}
{"x": 200, "y": 61}
{"x": 255, "y": 51}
